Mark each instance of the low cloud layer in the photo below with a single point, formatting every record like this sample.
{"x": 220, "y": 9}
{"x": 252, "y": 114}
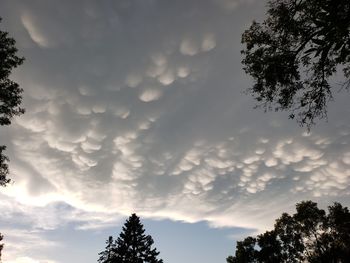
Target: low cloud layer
{"x": 138, "y": 106}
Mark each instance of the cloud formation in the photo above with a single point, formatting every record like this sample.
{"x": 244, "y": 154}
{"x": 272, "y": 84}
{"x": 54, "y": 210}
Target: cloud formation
{"x": 141, "y": 110}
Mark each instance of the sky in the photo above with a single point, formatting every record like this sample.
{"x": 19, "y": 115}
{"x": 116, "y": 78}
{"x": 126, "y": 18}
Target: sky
{"x": 139, "y": 106}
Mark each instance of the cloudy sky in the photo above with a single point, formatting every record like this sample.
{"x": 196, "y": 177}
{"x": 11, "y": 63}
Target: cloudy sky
{"x": 139, "y": 106}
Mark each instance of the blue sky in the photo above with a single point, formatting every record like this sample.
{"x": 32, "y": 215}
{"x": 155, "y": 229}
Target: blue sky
{"x": 139, "y": 106}
{"x": 176, "y": 241}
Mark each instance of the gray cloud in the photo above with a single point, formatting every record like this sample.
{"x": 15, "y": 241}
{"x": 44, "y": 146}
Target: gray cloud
{"x": 138, "y": 106}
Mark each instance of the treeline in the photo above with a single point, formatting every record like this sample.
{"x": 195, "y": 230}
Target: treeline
{"x": 310, "y": 235}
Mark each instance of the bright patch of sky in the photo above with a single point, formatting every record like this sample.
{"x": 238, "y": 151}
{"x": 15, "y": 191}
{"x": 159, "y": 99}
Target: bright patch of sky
{"x": 138, "y": 106}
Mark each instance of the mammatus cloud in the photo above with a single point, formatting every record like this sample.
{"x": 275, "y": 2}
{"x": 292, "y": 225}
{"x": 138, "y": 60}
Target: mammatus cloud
{"x": 131, "y": 171}
{"x": 150, "y": 95}
{"x": 34, "y": 31}
{"x": 141, "y": 110}
{"x": 192, "y": 47}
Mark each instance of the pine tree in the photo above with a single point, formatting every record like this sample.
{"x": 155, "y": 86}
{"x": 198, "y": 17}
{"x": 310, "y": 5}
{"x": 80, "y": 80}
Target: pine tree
{"x": 132, "y": 245}
{"x": 108, "y": 255}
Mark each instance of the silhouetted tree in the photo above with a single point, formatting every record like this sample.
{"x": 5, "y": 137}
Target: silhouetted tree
{"x": 10, "y": 98}
{"x": 108, "y": 254}
{"x": 4, "y": 170}
{"x": 1, "y": 245}
{"x": 10, "y": 93}
{"x": 270, "y": 248}
{"x": 310, "y": 235}
{"x": 291, "y": 240}
{"x": 294, "y": 52}
{"x": 245, "y": 251}
{"x": 132, "y": 245}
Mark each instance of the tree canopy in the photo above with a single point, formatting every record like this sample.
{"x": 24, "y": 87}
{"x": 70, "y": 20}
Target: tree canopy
{"x": 293, "y": 54}
{"x": 310, "y": 235}
{"x": 10, "y": 93}
{"x": 1, "y": 245}
{"x": 132, "y": 245}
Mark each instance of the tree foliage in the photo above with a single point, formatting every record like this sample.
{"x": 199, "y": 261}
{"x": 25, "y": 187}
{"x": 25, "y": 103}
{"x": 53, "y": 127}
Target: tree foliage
{"x": 294, "y": 52}
{"x": 10, "y": 93}
{"x": 1, "y": 245}
{"x": 4, "y": 170}
{"x": 108, "y": 255}
{"x": 132, "y": 245}
{"x": 310, "y": 235}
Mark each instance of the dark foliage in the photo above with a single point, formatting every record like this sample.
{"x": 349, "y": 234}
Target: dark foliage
{"x": 245, "y": 251}
{"x": 108, "y": 255}
{"x": 1, "y": 245}
{"x": 294, "y": 52}
{"x": 132, "y": 245}
{"x": 10, "y": 92}
{"x": 4, "y": 170}
{"x": 310, "y": 235}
